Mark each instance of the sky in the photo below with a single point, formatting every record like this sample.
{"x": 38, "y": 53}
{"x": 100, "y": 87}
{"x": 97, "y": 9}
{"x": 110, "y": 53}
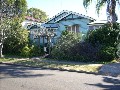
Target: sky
{"x": 53, "y": 7}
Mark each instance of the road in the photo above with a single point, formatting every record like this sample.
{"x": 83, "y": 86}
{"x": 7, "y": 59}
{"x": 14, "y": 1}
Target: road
{"x": 27, "y": 78}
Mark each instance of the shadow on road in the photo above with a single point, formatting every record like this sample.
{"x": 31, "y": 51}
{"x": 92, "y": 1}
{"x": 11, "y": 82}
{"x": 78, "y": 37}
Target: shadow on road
{"x": 111, "y": 84}
{"x": 8, "y": 71}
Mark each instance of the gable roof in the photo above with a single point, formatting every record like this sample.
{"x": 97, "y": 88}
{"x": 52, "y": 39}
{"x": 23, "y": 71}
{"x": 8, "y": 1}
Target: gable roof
{"x": 67, "y": 13}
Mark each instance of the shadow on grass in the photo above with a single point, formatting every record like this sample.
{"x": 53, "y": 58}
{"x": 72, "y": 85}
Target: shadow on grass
{"x": 51, "y": 66}
{"x": 13, "y": 71}
{"x": 111, "y": 83}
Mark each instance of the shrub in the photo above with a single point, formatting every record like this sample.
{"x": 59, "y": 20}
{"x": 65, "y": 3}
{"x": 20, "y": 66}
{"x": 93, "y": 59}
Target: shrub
{"x": 118, "y": 51}
{"x": 108, "y": 37}
{"x": 32, "y": 51}
{"x": 107, "y": 53}
{"x": 85, "y": 52}
{"x": 100, "y": 45}
{"x": 105, "y": 35}
{"x": 36, "y": 51}
{"x": 25, "y": 51}
{"x": 62, "y": 48}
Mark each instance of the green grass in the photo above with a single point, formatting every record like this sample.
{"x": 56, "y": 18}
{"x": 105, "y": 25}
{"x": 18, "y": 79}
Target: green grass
{"x": 6, "y": 59}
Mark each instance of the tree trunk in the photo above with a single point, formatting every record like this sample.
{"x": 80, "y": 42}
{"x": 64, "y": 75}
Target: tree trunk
{"x": 1, "y": 47}
{"x": 111, "y": 5}
{"x": 1, "y": 42}
{"x": 39, "y": 41}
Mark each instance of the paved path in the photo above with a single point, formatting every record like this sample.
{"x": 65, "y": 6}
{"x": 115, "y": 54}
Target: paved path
{"x": 26, "y": 78}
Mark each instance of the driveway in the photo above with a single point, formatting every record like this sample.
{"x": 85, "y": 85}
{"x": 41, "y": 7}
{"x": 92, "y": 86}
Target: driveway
{"x": 26, "y": 78}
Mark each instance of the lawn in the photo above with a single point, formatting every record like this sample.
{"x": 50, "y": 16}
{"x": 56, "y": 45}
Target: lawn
{"x": 83, "y": 67}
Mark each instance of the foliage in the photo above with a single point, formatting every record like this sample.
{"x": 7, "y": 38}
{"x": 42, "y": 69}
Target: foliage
{"x": 110, "y": 10}
{"x": 25, "y": 51}
{"x": 10, "y": 9}
{"x": 16, "y": 39}
{"x": 118, "y": 52}
{"x": 32, "y": 51}
{"x": 18, "y": 42}
{"x": 37, "y": 14}
{"x": 36, "y": 51}
{"x": 108, "y": 37}
{"x": 65, "y": 32}
{"x": 63, "y": 45}
{"x": 17, "y": 7}
{"x": 87, "y": 52}
{"x": 100, "y": 45}
{"x": 107, "y": 53}
{"x": 105, "y": 35}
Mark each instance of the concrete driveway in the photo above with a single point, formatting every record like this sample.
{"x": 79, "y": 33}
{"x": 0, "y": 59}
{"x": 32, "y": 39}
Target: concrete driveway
{"x": 26, "y": 78}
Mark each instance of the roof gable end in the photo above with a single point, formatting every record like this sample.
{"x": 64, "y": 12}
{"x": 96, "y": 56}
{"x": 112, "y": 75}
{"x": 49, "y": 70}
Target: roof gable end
{"x": 75, "y": 14}
{"x": 56, "y": 17}
{"x": 64, "y": 14}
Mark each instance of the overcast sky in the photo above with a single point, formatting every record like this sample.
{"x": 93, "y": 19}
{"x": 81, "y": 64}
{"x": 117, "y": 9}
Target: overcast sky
{"x": 52, "y": 7}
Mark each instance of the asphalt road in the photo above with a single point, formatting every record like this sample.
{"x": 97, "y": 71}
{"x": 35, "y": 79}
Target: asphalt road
{"x": 27, "y": 78}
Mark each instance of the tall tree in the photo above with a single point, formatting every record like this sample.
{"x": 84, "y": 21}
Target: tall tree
{"x": 9, "y": 9}
{"x": 111, "y": 6}
{"x": 37, "y": 14}
{"x": 16, "y": 39}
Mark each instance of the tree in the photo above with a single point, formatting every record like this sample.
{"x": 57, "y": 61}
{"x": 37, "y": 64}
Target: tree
{"x": 37, "y": 14}
{"x": 9, "y": 9}
{"x": 16, "y": 39}
{"x": 111, "y": 6}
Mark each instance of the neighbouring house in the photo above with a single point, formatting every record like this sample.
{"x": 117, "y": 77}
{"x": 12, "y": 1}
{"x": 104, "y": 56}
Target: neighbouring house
{"x": 30, "y": 21}
{"x": 96, "y": 24}
{"x": 31, "y": 24}
{"x": 65, "y": 20}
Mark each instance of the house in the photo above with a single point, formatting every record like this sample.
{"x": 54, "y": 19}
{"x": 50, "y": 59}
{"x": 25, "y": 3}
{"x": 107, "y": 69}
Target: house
{"x": 68, "y": 20}
{"x": 65, "y": 20}
{"x": 96, "y": 24}
{"x": 30, "y": 21}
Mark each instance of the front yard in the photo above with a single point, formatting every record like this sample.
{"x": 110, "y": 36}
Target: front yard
{"x": 71, "y": 66}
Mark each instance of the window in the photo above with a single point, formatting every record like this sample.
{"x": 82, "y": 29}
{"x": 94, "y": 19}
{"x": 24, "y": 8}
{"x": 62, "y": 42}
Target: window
{"x": 73, "y": 28}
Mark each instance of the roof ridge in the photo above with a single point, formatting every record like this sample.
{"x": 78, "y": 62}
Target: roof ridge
{"x": 75, "y": 13}
{"x": 57, "y": 15}
{"x": 63, "y": 17}
{"x": 69, "y": 12}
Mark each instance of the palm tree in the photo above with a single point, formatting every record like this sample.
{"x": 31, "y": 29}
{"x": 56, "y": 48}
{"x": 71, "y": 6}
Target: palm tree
{"x": 111, "y": 6}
